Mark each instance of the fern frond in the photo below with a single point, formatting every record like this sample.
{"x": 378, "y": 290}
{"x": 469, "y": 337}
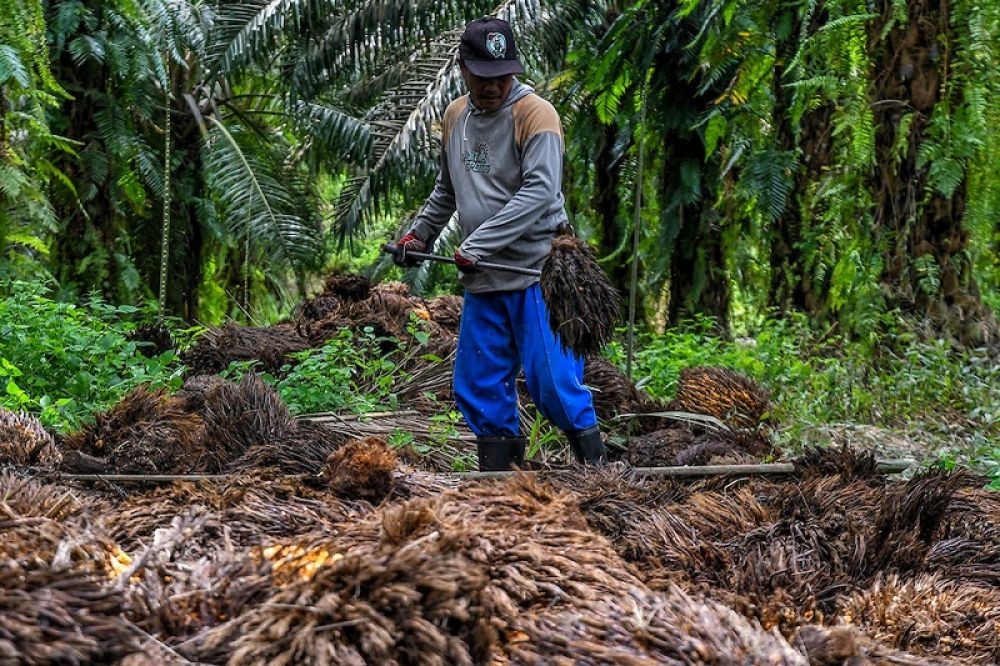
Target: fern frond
{"x": 12, "y": 68}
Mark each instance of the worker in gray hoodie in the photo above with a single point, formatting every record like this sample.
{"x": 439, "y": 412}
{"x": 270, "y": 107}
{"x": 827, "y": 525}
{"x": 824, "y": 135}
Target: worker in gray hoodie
{"x": 501, "y": 170}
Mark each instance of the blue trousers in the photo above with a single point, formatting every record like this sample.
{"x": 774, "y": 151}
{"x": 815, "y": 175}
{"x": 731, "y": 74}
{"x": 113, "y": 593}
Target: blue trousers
{"x": 499, "y": 333}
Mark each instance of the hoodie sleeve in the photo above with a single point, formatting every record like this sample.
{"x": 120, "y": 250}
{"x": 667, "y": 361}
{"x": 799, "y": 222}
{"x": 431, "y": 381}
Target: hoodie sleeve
{"x": 539, "y": 135}
{"x": 438, "y": 208}
{"x": 440, "y": 205}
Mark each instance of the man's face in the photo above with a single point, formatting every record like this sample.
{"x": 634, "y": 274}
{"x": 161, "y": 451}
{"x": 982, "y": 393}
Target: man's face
{"x": 488, "y": 94}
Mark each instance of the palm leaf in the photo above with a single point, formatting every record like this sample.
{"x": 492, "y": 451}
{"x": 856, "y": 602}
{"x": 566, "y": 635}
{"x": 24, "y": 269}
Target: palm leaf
{"x": 259, "y": 202}
{"x": 401, "y": 133}
{"x": 248, "y": 32}
{"x": 362, "y": 42}
{"x": 334, "y": 132}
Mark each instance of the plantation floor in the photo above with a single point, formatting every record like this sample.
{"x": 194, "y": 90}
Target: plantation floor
{"x": 339, "y": 540}
{"x": 837, "y": 565}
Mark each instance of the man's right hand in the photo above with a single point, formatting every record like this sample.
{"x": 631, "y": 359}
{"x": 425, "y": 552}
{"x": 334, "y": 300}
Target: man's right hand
{"x": 408, "y": 243}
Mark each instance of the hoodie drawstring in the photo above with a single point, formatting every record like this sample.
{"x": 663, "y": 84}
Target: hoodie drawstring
{"x": 466, "y": 124}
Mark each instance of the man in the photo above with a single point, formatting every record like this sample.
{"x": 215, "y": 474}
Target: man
{"x": 501, "y": 169}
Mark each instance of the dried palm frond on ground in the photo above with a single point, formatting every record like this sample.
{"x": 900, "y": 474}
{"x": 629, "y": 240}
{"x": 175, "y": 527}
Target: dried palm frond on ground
{"x": 146, "y": 432}
{"x": 782, "y": 551}
{"x": 245, "y": 511}
{"x": 406, "y": 598}
{"x": 23, "y": 441}
{"x": 846, "y": 646}
{"x": 968, "y": 545}
{"x": 583, "y": 305}
{"x": 843, "y": 462}
{"x": 426, "y": 581}
{"x": 685, "y": 446}
{"x": 57, "y": 602}
{"x": 729, "y": 396}
{"x": 362, "y": 469}
{"x": 67, "y": 616}
{"x": 218, "y": 347}
{"x": 431, "y": 448}
{"x": 645, "y": 629}
{"x": 929, "y": 615}
{"x": 181, "y": 583}
{"x": 26, "y": 498}
{"x": 264, "y": 568}
{"x": 303, "y": 449}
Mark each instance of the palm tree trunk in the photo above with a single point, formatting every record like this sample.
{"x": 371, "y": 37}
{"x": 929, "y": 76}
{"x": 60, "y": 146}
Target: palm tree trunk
{"x": 928, "y": 270}
{"x": 607, "y": 205}
{"x": 698, "y": 281}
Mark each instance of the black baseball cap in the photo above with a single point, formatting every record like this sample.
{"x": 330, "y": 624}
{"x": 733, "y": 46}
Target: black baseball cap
{"x": 488, "y": 49}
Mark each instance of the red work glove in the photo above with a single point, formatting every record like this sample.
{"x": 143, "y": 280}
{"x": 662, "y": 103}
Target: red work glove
{"x": 465, "y": 264}
{"x": 408, "y": 243}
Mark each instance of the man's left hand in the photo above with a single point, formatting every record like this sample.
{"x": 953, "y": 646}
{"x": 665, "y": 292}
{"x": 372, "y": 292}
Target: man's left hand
{"x": 465, "y": 264}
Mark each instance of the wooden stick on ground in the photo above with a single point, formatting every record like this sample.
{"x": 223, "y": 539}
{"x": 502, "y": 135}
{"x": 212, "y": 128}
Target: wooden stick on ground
{"x": 693, "y": 471}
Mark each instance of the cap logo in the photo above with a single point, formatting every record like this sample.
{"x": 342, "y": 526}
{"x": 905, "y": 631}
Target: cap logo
{"x": 496, "y": 44}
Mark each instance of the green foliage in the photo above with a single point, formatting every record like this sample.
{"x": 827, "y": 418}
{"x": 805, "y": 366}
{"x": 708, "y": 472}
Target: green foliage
{"x": 64, "y": 362}
{"x": 823, "y": 378}
{"x": 353, "y": 372}
{"x": 347, "y": 374}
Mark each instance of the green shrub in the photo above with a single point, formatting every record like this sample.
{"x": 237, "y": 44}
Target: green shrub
{"x": 348, "y": 373}
{"x": 352, "y": 372}
{"x": 63, "y": 362}
{"x": 821, "y": 377}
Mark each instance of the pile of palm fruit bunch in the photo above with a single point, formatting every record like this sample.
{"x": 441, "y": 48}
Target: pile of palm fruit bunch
{"x": 312, "y": 542}
{"x": 370, "y": 561}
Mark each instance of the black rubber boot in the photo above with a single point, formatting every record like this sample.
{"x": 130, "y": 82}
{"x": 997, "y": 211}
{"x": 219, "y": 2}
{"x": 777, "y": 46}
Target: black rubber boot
{"x": 498, "y": 454}
{"x": 588, "y": 445}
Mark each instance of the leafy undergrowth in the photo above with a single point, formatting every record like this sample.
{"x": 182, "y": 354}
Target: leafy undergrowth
{"x": 904, "y": 395}
{"x": 63, "y": 361}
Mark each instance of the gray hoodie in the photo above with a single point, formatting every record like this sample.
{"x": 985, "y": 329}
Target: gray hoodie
{"x": 502, "y": 172}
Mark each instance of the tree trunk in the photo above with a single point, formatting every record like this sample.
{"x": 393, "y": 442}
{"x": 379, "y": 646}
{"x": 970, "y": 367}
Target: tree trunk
{"x": 927, "y": 264}
{"x": 607, "y": 205}
{"x": 698, "y": 281}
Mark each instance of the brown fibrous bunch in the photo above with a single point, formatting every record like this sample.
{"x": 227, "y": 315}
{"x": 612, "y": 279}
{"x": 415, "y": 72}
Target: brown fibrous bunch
{"x": 24, "y": 441}
{"x": 146, "y": 432}
{"x": 155, "y": 339}
{"x": 362, "y": 469}
{"x": 582, "y": 303}
{"x": 697, "y": 446}
{"x": 725, "y": 394}
{"x": 271, "y": 346}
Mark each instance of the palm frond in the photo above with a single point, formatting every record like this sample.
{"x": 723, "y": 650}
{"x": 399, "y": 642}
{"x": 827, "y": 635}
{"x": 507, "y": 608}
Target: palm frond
{"x": 248, "y": 32}
{"x": 363, "y": 42}
{"x": 259, "y": 202}
{"x": 333, "y": 131}
{"x": 401, "y": 133}
{"x": 188, "y": 28}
